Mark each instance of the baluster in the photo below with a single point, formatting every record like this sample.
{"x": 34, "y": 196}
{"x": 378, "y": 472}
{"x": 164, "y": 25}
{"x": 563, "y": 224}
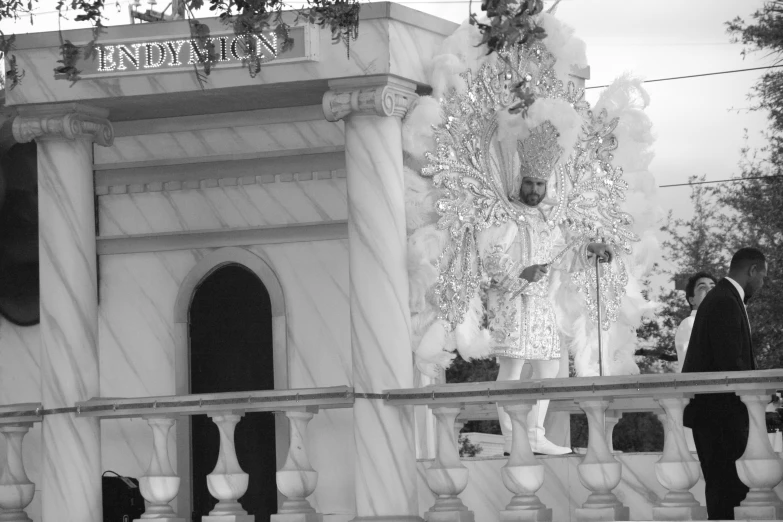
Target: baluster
{"x": 447, "y": 477}
{"x": 161, "y": 484}
{"x": 297, "y": 479}
{"x": 16, "y": 490}
{"x": 599, "y": 472}
{"x": 759, "y": 468}
{"x": 227, "y": 482}
{"x": 458, "y": 425}
{"x": 677, "y": 470}
{"x": 523, "y": 475}
{"x": 612, "y": 418}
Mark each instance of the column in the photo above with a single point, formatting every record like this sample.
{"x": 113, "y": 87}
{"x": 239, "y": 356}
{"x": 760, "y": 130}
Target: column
{"x": 160, "y": 484}
{"x": 677, "y": 470}
{"x": 759, "y": 467}
{"x": 599, "y": 472}
{"x": 227, "y": 482}
{"x": 297, "y": 478}
{"x": 71, "y": 473}
{"x": 447, "y": 477}
{"x": 523, "y": 474}
{"x": 372, "y": 109}
{"x": 16, "y": 490}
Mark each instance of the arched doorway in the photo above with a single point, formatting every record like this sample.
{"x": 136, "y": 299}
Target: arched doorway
{"x": 231, "y": 349}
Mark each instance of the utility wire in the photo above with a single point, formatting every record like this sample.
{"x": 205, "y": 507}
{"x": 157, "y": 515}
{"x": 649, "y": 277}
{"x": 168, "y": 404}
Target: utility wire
{"x": 720, "y": 181}
{"x": 696, "y": 75}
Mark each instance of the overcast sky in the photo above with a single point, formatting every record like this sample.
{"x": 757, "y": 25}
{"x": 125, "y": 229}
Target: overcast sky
{"x": 697, "y": 130}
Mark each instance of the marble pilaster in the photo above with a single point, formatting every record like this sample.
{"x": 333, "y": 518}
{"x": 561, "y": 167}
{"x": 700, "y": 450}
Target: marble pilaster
{"x": 71, "y": 474}
{"x": 372, "y": 109}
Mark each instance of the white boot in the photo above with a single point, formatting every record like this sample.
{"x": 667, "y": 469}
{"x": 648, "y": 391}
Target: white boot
{"x": 538, "y": 442}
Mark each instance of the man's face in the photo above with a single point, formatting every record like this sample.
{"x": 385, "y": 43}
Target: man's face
{"x": 758, "y": 273}
{"x": 700, "y": 290}
{"x": 532, "y": 191}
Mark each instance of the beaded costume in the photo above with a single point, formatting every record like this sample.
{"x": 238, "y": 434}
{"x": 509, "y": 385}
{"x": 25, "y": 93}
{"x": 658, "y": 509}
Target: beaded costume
{"x": 468, "y": 241}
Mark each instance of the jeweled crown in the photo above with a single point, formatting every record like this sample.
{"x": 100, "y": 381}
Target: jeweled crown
{"x": 539, "y": 152}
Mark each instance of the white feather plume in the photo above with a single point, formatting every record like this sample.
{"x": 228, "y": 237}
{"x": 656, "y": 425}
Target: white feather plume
{"x": 420, "y": 198}
{"x": 565, "y": 47}
{"x": 434, "y": 351}
{"x": 473, "y": 341}
{"x": 417, "y": 135}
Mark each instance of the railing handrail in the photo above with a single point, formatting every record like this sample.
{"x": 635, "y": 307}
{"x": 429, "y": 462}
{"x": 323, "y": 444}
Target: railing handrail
{"x": 764, "y": 381}
{"x": 489, "y": 411}
{"x": 203, "y": 403}
{"x": 193, "y": 404}
{"x": 20, "y": 413}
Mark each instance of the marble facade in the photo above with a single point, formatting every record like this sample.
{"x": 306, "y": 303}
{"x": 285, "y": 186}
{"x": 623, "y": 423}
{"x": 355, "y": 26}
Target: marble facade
{"x": 248, "y": 164}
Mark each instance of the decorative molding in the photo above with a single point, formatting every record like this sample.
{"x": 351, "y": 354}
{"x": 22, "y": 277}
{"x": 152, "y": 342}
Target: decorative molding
{"x": 71, "y": 121}
{"x": 274, "y": 234}
{"x": 253, "y": 261}
{"x": 220, "y": 158}
{"x": 225, "y": 120}
{"x": 384, "y": 96}
{"x": 175, "y": 185}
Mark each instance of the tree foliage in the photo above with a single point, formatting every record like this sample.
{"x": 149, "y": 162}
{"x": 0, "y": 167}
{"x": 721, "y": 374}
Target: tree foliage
{"x": 693, "y": 245}
{"x": 746, "y": 212}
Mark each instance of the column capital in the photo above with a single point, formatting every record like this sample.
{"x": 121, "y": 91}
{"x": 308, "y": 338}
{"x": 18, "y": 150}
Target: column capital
{"x": 72, "y": 121}
{"x": 374, "y": 96}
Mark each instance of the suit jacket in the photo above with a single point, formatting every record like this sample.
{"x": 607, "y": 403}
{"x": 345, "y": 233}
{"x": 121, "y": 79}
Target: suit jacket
{"x": 720, "y": 342}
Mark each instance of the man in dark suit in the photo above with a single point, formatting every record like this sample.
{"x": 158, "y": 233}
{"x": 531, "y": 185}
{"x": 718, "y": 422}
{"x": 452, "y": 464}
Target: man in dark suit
{"x": 720, "y": 342}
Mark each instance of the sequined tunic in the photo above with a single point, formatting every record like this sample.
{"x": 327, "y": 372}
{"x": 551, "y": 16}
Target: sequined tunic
{"x": 521, "y": 317}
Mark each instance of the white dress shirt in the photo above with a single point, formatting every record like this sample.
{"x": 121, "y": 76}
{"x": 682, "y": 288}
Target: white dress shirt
{"x": 742, "y": 297}
{"x": 682, "y": 337}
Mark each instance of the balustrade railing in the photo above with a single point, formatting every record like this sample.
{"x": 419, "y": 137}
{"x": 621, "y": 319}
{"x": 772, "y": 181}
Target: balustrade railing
{"x": 296, "y": 480}
{"x": 603, "y": 400}
{"x": 760, "y": 468}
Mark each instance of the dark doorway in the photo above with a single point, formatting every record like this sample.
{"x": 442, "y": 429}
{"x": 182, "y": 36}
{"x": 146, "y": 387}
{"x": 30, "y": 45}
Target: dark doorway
{"x": 230, "y": 327}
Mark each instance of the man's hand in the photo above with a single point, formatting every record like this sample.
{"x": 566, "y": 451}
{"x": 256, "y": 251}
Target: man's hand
{"x": 534, "y": 273}
{"x": 602, "y": 250}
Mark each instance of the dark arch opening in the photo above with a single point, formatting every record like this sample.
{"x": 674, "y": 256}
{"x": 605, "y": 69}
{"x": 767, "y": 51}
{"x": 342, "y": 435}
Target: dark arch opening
{"x": 230, "y": 327}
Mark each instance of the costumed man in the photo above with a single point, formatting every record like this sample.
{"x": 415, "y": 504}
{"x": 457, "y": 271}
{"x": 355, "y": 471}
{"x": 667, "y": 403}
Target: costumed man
{"x": 518, "y": 257}
{"x": 504, "y": 206}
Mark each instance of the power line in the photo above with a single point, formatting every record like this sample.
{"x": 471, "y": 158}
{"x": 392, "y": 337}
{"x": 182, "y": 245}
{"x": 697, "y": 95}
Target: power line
{"x": 720, "y": 181}
{"x": 696, "y": 75}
